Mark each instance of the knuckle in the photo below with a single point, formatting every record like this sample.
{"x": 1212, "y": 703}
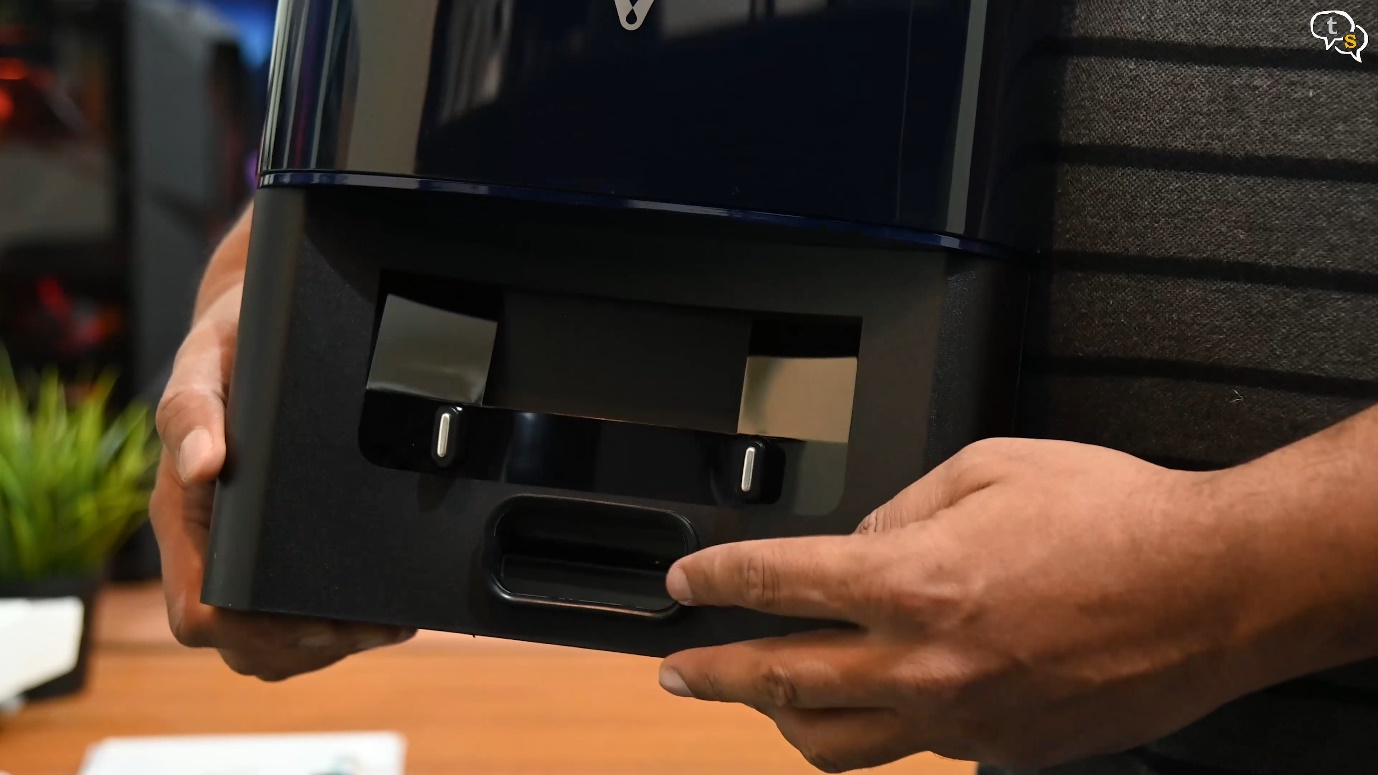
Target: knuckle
{"x": 239, "y": 663}
{"x": 708, "y": 687}
{"x": 777, "y": 684}
{"x": 274, "y": 633}
{"x": 982, "y": 462}
{"x": 822, "y": 760}
{"x": 993, "y": 447}
{"x": 251, "y": 666}
{"x": 761, "y": 581}
{"x": 881, "y": 520}
{"x": 268, "y": 634}
{"x": 978, "y": 458}
{"x": 178, "y": 402}
{"x": 239, "y": 668}
{"x": 934, "y": 590}
{"x": 817, "y": 747}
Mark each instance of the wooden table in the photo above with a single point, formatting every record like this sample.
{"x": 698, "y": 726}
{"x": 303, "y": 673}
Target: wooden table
{"x": 466, "y": 706}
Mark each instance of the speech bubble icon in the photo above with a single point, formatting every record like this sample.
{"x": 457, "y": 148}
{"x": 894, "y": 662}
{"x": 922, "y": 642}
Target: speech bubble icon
{"x": 1332, "y": 27}
{"x": 1354, "y": 44}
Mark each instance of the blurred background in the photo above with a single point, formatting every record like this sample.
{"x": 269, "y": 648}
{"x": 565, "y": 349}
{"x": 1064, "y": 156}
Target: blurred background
{"x": 128, "y": 139}
{"x": 128, "y": 132}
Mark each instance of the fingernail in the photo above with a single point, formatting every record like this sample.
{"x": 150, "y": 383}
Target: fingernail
{"x": 196, "y": 448}
{"x": 671, "y": 682}
{"x": 677, "y": 584}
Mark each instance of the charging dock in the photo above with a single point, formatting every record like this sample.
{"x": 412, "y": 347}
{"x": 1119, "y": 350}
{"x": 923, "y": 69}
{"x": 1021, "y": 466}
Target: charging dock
{"x": 586, "y": 555}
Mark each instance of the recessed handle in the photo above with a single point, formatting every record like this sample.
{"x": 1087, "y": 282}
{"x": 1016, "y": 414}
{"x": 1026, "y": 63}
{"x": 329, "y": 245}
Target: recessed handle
{"x": 567, "y": 553}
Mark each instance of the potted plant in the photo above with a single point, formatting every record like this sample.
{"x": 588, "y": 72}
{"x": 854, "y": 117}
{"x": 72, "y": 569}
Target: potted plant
{"x": 75, "y": 479}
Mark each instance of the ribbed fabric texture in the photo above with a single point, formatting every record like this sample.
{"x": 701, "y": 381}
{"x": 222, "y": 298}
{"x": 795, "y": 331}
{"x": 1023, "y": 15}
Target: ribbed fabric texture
{"x": 1212, "y": 294}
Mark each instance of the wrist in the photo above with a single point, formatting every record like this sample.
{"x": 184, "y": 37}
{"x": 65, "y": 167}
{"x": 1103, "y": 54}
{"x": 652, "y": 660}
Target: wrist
{"x": 1301, "y": 549}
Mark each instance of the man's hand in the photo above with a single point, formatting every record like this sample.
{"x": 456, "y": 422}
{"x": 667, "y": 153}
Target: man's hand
{"x": 191, "y": 422}
{"x": 1028, "y": 603}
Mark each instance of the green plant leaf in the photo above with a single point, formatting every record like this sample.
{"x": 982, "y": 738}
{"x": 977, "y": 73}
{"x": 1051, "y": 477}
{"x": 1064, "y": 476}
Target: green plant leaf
{"x": 75, "y": 477}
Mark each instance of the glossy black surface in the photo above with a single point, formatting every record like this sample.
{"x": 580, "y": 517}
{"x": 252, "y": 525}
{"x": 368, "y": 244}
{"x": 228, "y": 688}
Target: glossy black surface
{"x": 898, "y": 113}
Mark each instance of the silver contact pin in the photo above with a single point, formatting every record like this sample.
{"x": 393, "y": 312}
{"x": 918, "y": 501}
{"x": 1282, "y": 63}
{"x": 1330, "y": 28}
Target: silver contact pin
{"x": 748, "y": 469}
{"x": 447, "y": 435}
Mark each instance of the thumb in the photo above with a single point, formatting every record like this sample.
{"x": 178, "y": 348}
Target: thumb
{"x": 191, "y": 414}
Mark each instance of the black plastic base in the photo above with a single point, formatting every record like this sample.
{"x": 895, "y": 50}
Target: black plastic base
{"x": 569, "y": 549}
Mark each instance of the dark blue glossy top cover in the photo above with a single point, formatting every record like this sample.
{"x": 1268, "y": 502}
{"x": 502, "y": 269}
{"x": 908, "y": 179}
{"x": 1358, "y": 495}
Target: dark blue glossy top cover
{"x": 919, "y": 115}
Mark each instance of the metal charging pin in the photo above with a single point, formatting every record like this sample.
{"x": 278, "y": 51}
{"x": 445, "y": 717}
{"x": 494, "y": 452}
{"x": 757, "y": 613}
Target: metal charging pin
{"x": 748, "y": 469}
{"x": 447, "y": 435}
{"x": 760, "y": 476}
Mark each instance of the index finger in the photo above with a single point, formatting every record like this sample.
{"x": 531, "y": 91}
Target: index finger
{"x": 825, "y": 577}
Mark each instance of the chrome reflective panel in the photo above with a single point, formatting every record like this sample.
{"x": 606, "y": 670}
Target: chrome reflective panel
{"x": 428, "y": 360}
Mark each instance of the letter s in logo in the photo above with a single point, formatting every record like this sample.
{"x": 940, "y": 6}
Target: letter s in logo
{"x": 633, "y": 12}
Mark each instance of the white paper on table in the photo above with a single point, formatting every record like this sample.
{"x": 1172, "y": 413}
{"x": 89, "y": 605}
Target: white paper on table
{"x": 371, "y": 753}
{"x": 39, "y": 641}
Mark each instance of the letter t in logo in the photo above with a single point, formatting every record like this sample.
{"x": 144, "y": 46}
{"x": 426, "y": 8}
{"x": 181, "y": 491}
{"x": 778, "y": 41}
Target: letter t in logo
{"x": 633, "y": 12}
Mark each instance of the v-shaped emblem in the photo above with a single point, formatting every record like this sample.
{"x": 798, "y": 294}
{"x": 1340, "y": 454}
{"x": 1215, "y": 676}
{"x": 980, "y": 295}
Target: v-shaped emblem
{"x": 633, "y": 12}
